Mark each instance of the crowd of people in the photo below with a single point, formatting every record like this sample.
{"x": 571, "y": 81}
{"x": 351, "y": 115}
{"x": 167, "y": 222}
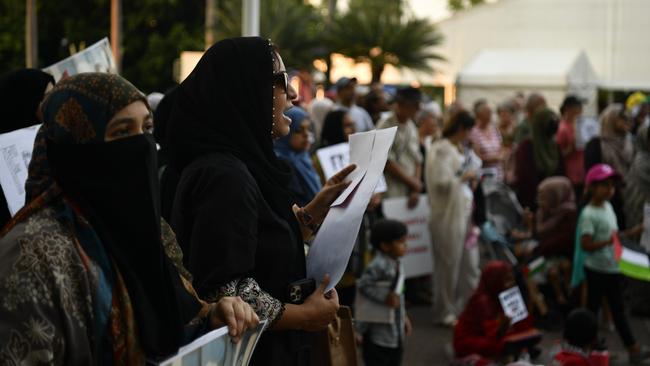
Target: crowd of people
{"x": 150, "y": 221}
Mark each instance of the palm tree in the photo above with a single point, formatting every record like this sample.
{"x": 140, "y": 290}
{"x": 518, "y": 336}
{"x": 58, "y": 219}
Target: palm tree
{"x": 381, "y": 33}
{"x": 296, "y": 27}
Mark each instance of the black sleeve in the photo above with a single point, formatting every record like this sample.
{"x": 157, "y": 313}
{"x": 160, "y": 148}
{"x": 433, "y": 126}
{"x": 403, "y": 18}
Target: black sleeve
{"x": 216, "y": 212}
{"x": 593, "y": 155}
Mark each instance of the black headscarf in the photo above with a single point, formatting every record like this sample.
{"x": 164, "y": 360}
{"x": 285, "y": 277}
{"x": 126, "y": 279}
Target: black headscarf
{"x": 115, "y": 184}
{"x": 161, "y": 124}
{"x": 226, "y": 105}
{"x": 21, "y": 92}
{"x": 332, "y": 132}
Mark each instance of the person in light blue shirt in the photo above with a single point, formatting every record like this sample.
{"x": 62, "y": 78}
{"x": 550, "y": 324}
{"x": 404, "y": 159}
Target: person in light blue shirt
{"x": 595, "y": 258}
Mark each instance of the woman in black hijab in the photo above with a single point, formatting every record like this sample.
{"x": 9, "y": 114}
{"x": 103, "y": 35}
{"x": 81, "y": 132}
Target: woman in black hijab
{"x": 21, "y": 92}
{"x": 337, "y": 128}
{"x": 89, "y": 274}
{"x": 232, "y": 209}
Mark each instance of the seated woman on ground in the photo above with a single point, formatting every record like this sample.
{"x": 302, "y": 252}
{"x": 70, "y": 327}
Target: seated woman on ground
{"x": 483, "y": 329}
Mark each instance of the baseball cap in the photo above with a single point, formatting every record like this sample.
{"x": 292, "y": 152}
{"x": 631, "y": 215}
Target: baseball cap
{"x": 571, "y": 101}
{"x": 599, "y": 173}
{"x": 344, "y": 82}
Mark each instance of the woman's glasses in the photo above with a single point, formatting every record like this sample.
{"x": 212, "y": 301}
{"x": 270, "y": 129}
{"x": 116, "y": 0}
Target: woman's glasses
{"x": 281, "y": 78}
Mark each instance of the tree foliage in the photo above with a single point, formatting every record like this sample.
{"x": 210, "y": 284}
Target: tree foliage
{"x": 382, "y": 32}
{"x": 154, "y": 33}
{"x": 293, "y": 25}
{"x": 458, "y": 5}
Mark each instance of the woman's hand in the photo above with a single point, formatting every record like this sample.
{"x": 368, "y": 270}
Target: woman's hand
{"x": 408, "y": 326}
{"x": 504, "y": 325}
{"x": 469, "y": 175}
{"x": 414, "y": 198}
{"x": 392, "y": 300}
{"x": 320, "y": 307}
{"x": 236, "y": 314}
{"x": 320, "y": 205}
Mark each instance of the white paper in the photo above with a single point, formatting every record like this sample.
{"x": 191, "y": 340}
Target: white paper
{"x": 215, "y": 348}
{"x": 15, "y": 154}
{"x": 369, "y": 311}
{"x": 331, "y": 249}
{"x": 336, "y": 157}
{"x": 418, "y": 260}
{"x": 513, "y": 305}
{"x": 645, "y": 237}
{"x": 95, "y": 58}
{"x": 587, "y": 128}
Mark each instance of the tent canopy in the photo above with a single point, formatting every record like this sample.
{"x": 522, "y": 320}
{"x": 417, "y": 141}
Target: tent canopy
{"x": 528, "y": 68}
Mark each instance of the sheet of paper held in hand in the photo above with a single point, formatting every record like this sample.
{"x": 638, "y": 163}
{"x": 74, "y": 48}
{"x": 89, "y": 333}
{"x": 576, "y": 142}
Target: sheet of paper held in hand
{"x": 331, "y": 249}
{"x": 513, "y": 304}
{"x": 15, "y": 154}
{"x": 215, "y": 348}
{"x": 336, "y": 157}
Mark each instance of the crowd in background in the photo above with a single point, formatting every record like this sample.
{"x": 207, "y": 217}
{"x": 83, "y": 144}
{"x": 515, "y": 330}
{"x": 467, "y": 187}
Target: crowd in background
{"x": 125, "y": 251}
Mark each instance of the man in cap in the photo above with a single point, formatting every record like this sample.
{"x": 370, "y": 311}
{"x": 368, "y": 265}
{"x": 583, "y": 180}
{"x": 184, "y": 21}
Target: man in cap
{"x": 346, "y": 100}
{"x": 404, "y": 166}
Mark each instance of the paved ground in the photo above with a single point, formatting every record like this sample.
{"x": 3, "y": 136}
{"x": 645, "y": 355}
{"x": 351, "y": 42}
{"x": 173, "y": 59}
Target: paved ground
{"x": 431, "y": 345}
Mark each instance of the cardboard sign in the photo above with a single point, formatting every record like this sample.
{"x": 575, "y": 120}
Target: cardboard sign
{"x": 418, "y": 260}
{"x": 513, "y": 304}
{"x": 216, "y": 348}
{"x": 95, "y": 58}
{"x": 336, "y": 157}
{"x": 15, "y": 154}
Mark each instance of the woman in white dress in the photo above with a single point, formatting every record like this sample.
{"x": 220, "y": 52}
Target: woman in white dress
{"x": 449, "y": 175}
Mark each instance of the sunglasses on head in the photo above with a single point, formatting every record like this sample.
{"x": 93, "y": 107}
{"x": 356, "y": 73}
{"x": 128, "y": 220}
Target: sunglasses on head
{"x": 281, "y": 78}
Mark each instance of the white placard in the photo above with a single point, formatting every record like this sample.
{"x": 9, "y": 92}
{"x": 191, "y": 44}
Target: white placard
{"x": 331, "y": 249}
{"x": 370, "y": 311}
{"x": 336, "y": 157}
{"x": 216, "y": 348}
{"x": 15, "y": 154}
{"x": 418, "y": 260}
{"x": 645, "y": 237}
{"x": 587, "y": 128}
{"x": 95, "y": 58}
{"x": 513, "y": 305}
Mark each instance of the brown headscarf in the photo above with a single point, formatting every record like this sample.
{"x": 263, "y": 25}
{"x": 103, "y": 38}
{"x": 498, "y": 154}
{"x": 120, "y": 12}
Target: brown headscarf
{"x": 558, "y": 193}
{"x": 616, "y": 146}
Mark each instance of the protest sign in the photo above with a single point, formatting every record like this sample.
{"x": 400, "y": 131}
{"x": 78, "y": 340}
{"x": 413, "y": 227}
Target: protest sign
{"x": 336, "y": 157}
{"x": 418, "y": 260}
{"x": 15, "y": 154}
{"x": 645, "y": 237}
{"x": 513, "y": 305}
{"x": 216, "y": 348}
{"x": 95, "y": 58}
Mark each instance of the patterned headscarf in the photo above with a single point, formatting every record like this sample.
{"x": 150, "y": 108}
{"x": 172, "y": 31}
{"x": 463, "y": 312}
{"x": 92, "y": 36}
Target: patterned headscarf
{"x": 76, "y": 111}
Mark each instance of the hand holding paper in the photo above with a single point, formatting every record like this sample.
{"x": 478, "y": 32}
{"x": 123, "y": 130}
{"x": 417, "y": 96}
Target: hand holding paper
{"x": 333, "y": 244}
{"x": 320, "y": 205}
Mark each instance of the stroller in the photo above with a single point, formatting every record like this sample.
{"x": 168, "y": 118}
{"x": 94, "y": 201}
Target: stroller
{"x": 497, "y": 213}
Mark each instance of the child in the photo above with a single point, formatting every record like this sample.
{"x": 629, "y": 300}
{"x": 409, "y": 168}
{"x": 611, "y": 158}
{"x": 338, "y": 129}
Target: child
{"x": 594, "y": 257}
{"x": 580, "y": 335}
{"x": 383, "y": 342}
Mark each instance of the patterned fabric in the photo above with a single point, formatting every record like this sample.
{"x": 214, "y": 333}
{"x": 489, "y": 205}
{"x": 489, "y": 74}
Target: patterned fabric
{"x": 487, "y": 143}
{"x": 83, "y": 105}
{"x": 264, "y": 305}
{"x": 64, "y": 300}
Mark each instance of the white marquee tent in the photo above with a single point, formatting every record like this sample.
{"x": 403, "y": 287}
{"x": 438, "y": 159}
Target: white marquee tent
{"x": 497, "y": 74}
{"x": 612, "y": 33}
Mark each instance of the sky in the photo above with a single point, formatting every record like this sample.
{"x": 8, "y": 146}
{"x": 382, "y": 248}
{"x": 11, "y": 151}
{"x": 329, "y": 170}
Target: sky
{"x": 432, "y": 9}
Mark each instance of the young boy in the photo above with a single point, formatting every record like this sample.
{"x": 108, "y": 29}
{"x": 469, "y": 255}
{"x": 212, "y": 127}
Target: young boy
{"x": 580, "y": 335}
{"x": 381, "y": 283}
